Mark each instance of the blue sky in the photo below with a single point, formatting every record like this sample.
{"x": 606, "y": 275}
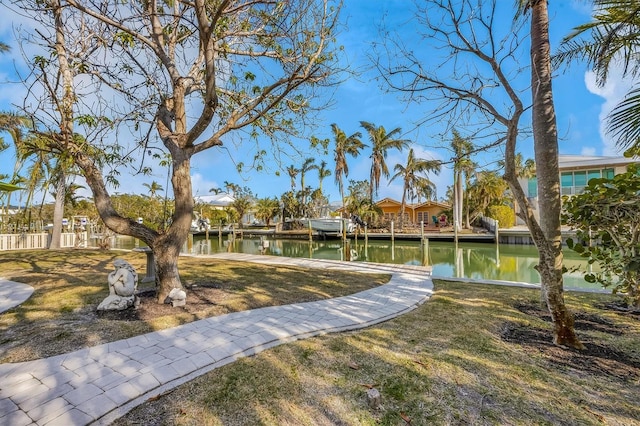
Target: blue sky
{"x": 580, "y": 106}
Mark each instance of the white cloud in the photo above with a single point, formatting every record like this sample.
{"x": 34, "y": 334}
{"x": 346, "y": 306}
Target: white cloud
{"x": 588, "y": 151}
{"x": 201, "y": 185}
{"x": 613, "y": 91}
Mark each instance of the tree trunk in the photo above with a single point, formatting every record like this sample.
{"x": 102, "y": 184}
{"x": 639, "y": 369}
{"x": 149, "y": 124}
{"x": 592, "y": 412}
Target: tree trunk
{"x": 546, "y": 155}
{"x": 58, "y": 213}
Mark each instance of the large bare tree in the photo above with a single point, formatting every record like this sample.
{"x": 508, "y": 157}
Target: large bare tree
{"x": 478, "y": 83}
{"x": 196, "y": 73}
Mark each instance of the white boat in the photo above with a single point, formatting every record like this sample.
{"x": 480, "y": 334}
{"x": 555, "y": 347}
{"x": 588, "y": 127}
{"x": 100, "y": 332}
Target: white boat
{"x": 330, "y": 224}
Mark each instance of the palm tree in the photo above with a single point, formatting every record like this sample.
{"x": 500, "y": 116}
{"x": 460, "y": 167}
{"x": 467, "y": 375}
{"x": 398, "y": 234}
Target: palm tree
{"x": 547, "y": 234}
{"x": 215, "y": 191}
{"x": 487, "y": 190}
{"x": 323, "y": 172}
{"x": 292, "y": 171}
{"x": 345, "y": 145}
{"x": 613, "y": 38}
{"x": 412, "y": 181}
{"x": 381, "y": 143}
{"x": 266, "y": 209}
{"x": 463, "y": 167}
{"x": 153, "y": 188}
{"x": 308, "y": 165}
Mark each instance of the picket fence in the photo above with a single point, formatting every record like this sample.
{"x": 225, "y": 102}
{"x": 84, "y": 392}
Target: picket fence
{"x": 41, "y": 240}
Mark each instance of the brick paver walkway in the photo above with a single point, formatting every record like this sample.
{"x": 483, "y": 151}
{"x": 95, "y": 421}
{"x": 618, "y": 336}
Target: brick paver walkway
{"x": 99, "y": 384}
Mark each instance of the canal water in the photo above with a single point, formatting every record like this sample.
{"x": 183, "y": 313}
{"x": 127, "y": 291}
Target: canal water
{"x": 481, "y": 261}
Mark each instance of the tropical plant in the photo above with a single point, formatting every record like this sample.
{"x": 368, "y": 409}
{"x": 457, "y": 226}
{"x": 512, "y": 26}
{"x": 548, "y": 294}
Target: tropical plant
{"x": 487, "y": 190}
{"x": 323, "y": 172}
{"x": 463, "y": 167}
{"x": 605, "y": 217}
{"x": 154, "y": 188}
{"x": 308, "y": 165}
{"x": 266, "y": 209}
{"x": 486, "y": 96}
{"x": 358, "y": 202}
{"x": 344, "y": 145}
{"x": 611, "y": 40}
{"x": 292, "y": 171}
{"x": 412, "y": 181}
{"x": 381, "y": 142}
{"x": 243, "y": 201}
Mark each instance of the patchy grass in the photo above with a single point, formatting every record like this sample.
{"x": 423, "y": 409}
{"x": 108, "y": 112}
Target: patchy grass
{"x": 472, "y": 355}
{"x": 448, "y": 362}
{"x": 69, "y": 284}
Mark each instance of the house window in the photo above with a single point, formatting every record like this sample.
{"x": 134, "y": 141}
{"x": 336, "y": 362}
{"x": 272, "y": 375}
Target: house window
{"x": 608, "y": 173}
{"x": 532, "y": 189}
{"x": 593, "y": 174}
{"x": 579, "y": 182}
{"x": 566, "y": 182}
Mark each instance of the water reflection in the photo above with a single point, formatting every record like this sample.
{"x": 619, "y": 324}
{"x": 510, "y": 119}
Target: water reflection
{"x": 463, "y": 260}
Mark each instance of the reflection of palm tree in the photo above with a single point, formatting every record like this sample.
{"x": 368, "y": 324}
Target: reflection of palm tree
{"x": 412, "y": 181}
{"x": 381, "y": 142}
{"x": 345, "y": 145}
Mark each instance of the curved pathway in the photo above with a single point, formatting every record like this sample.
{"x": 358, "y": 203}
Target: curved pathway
{"x": 12, "y": 294}
{"x": 99, "y": 384}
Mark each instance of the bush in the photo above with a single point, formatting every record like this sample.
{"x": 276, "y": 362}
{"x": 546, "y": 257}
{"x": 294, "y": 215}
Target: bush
{"x": 504, "y": 215}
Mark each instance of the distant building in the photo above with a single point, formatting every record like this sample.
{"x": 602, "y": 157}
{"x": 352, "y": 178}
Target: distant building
{"x": 575, "y": 173}
{"x": 218, "y": 201}
{"x": 427, "y": 212}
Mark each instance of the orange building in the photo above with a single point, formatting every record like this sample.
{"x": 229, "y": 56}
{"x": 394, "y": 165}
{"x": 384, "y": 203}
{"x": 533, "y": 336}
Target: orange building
{"x": 428, "y": 212}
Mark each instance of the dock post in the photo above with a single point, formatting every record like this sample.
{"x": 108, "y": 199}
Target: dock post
{"x": 220, "y": 230}
{"x": 392, "y": 233}
{"x": 310, "y": 232}
{"x": 422, "y": 229}
{"x": 497, "y": 233}
{"x": 425, "y": 252}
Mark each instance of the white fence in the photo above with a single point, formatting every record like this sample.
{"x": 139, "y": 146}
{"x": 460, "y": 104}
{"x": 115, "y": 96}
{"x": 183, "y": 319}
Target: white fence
{"x": 41, "y": 240}
{"x": 489, "y": 223}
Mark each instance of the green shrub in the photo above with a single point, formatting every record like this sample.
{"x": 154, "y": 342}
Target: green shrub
{"x": 505, "y": 215}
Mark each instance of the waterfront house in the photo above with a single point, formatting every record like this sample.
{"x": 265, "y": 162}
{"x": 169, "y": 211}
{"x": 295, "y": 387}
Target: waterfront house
{"x": 575, "y": 173}
{"x": 424, "y": 212}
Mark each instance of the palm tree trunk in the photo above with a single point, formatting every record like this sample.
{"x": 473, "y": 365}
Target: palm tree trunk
{"x": 546, "y": 155}
{"x": 58, "y": 212}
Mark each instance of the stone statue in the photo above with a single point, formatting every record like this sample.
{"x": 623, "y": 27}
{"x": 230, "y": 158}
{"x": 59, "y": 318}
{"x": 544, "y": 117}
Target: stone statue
{"x": 123, "y": 283}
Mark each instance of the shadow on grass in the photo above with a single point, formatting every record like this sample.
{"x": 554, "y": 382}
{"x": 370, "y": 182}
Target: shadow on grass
{"x": 444, "y": 363}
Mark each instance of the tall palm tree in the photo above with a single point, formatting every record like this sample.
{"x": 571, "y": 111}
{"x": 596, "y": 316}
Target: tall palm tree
{"x": 215, "y": 191}
{"x": 612, "y": 38}
{"x": 323, "y": 172}
{"x": 412, "y": 179}
{"x": 463, "y": 167}
{"x": 292, "y": 171}
{"x": 345, "y": 145}
{"x": 381, "y": 142}
{"x": 547, "y": 234}
{"x": 307, "y": 166}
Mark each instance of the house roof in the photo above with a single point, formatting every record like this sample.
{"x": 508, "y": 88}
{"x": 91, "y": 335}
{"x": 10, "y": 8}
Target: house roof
{"x": 573, "y": 162}
{"x": 413, "y": 206}
{"x": 222, "y": 199}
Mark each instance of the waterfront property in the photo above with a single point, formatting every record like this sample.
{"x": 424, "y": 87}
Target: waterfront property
{"x": 428, "y": 212}
{"x": 575, "y": 173}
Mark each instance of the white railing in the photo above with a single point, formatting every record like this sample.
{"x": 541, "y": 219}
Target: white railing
{"x": 488, "y": 223}
{"x": 41, "y": 240}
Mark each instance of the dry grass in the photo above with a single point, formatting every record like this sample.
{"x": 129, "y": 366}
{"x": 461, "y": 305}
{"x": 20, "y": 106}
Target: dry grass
{"x": 457, "y": 360}
{"x": 61, "y": 314}
{"x": 444, "y": 363}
